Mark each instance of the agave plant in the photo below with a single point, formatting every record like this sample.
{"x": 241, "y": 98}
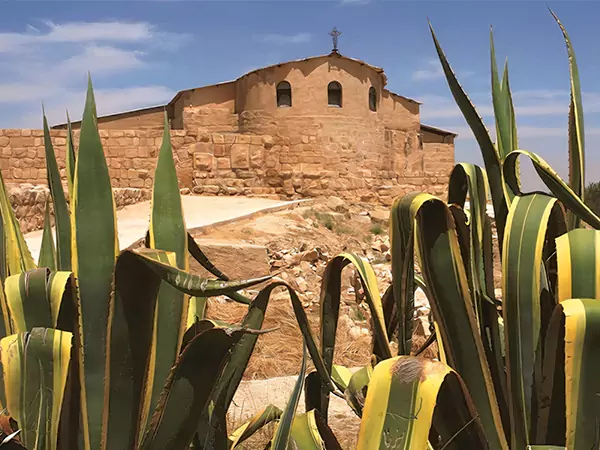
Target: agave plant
{"x": 514, "y": 372}
{"x": 108, "y": 349}
{"x": 102, "y": 348}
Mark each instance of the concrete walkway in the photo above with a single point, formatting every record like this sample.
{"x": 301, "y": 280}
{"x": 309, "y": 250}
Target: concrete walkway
{"x": 133, "y": 220}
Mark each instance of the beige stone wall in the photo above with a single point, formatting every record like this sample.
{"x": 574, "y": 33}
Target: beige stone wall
{"x": 211, "y": 108}
{"x": 233, "y": 164}
{"x": 130, "y": 155}
{"x": 438, "y": 151}
{"x": 372, "y": 162}
{"x": 256, "y": 98}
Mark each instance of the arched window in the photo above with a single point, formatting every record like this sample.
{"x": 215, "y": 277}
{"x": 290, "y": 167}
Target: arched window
{"x": 284, "y": 95}
{"x": 334, "y": 94}
{"x": 372, "y": 99}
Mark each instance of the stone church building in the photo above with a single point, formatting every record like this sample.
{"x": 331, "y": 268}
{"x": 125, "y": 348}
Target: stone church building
{"x": 324, "y": 125}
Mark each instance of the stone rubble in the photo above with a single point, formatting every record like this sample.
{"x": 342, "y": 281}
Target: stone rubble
{"x": 29, "y": 202}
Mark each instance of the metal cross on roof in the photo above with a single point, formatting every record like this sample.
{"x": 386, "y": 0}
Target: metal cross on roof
{"x": 335, "y": 34}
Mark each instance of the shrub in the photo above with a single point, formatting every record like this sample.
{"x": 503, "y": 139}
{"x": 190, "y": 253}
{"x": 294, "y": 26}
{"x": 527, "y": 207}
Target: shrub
{"x": 592, "y": 197}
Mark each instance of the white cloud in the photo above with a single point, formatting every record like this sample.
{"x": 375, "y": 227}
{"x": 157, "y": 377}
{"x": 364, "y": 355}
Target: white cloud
{"x": 102, "y": 59}
{"x": 78, "y": 32}
{"x": 50, "y": 63}
{"x": 285, "y": 39}
{"x": 432, "y": 71}
{"x": 528, "y": 103}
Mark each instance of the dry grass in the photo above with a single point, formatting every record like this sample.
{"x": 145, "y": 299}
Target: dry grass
{"x": 279, "y": 353}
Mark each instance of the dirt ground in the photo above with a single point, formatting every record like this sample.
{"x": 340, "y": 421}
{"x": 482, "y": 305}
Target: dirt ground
{"x": 299, "y": 244}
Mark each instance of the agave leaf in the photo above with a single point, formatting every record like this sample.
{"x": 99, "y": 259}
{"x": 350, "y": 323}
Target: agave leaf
{"x": 17, "y": 257}
{"x": 330, "y": 306}
{"x": 94, "y": 250}
{"x": 407, "y": 396}
{"x": 576, "y": 129}
{"x": 503, "y": 112}
{"x": 259, "y": 420}
{"x": 203, "y": 260}
{"x": 233, "y": 372}
{"x": 489, "y": 152}
{"x": 513, "y": 119}
{"x": 41, "y": 298}
{"x": 469, "y": 179}
{"x": 70, "y": 159}
{"x": 355, "y": 393}
{"x": 551, "y": 179}
{"x": 402, "y": 251}
{"x": 578, "y": 253}
{"x": 167, "y": 232}
{"x": 570, "y": 374}
{"x": 138, "y": 278}
{"x": 61, "y": 211}
{"x": 47, "y": 256}
{"x": 188, "y": 389}
{"x": 311, "y": 432}
{"x": 522, "y": 269}
{"x": 341, "y": 375}
{"x": 545, "y": 447}
{"x": 452, "y": 306}
{"x": 35, "y": 366}
{"x": 184, "y": 281}
{"x": 284, "y": 428}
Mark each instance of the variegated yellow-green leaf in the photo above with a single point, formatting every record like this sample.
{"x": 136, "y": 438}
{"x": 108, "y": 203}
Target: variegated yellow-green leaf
{"x": 489, "y": 152}
{"x": 167, "y": 232}
{"x": 184, "y": 281}
{"x": 570, "y": 414}
{"x": 188, "y": 389}
{"x": 47, "y": 256}
{"x": 70, "y": 159}
{"x": 330, "y": 307}
{"x": 576, "y": 129}
{"x": 311, "y": 432}
{"x": 469, "y": 180}
{"x": 35, "y": 366}
{"x": 355, "y": 393}
{"x": 17, "y": 256}
{"x": 454, "y": 314}
{"x": 578, "y": 257}
{"x": 407, "y": 397}
{"x": 138, "y": 276}
{"x": 61, "y": 211}
{"x": 506, "y": 127}
{"x": 402, "y": 252}
{"x": 523, "y": 272}
{"x": 40, "y": 298}
{"x": 259, "y": 420}
{"x": 94, "y": 251}
{"x": 284, "y": 428}
{"x": 553, "y": 181}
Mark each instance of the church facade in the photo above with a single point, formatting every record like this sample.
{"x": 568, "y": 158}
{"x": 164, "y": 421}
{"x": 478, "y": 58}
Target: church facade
{"x": 323, "y": 125}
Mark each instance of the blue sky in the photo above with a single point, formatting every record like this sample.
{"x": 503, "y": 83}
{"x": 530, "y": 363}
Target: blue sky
{"x": 141, "y": 53}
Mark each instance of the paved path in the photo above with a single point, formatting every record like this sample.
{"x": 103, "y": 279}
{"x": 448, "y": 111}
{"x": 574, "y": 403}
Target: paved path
{"x": 133, "y": 220}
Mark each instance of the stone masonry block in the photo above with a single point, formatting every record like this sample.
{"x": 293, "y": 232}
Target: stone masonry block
{"x": 203, "y": 161}
{"x": 240, "y": 156}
